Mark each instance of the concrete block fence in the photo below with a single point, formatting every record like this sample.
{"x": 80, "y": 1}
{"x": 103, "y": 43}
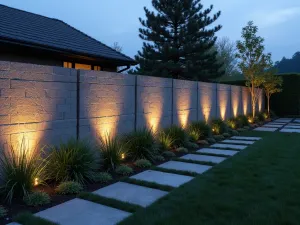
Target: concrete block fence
{"x": 49, "y": 105}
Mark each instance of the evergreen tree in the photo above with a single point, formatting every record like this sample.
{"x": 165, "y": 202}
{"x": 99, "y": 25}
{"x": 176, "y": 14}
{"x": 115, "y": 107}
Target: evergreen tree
{"x": 178, "y": 40}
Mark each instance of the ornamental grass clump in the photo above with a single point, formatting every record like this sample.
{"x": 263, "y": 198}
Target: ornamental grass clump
{"x": 20, "y": 167}
{"x": 219, "y": 126}
{"x": 72, "y": 161}
{"x": 243, "y": 120}
{"x": 178, "y": 135}
{"x": 111, "y": 150}
{"x": 68, "y": 188}
{"x": 141, "y": 144}
{"x": 3, "y": 211}
{"x": 37, "y": 198}
{"x": 198, "y": 130}
{"x": 232, "y": 123}
{"x": 165, "y": 141}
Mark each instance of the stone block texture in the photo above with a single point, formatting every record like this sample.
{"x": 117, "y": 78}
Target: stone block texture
{"x": 207, "y": 101}
{"x": 236, "y": 100}
{"x": 107, "y": 104}
{"x": 154, "y": 102}
{"x": 224, "y": 101}
{"x": 185, "y": 102}
{"x": 246, "y": 101}
{"x": 38, "y": 104}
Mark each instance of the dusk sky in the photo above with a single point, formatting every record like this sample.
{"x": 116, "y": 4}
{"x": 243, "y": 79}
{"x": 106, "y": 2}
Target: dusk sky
{"x": 112, "y": 21}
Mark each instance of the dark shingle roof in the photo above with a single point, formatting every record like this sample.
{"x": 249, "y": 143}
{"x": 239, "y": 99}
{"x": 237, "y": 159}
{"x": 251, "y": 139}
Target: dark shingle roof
{"x": 22, "y": 26}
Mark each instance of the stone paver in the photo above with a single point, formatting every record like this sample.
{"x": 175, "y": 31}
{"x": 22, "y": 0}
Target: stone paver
{"x": 163, "y": 178}
{"x": 192, "y": 167}
{"x": 217, "y": 151}
{"x": 292, "y": 127}
{"x": 131, "y": 193}
{"x": 290, "y": 130}
{"x": 238, "y": 142}
{"x": 286, "y": 120}
{"x": 13, "y": 223}
{"x": 79, "y": 211}
{"x": 204, "y": 158}
{"x": 271, "y": 129}
{"x": 296, "y": 121}
{"x": 293, "y": 124}
{"x": 239, "y": 147}
{"x": 273, "y": 125}
{"x": 246, "y": 138}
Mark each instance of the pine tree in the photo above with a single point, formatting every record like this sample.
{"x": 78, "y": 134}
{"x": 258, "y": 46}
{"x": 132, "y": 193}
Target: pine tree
{"x": 178, "y": 40}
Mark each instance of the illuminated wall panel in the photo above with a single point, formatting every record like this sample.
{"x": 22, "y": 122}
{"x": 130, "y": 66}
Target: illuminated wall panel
{"x": 236, "y": 101}
{"x": 184, "y": 102}
{"x": 246, "y": 101}
{"x": 154, "y": 102}
{"x": 207, "y": 98}
{"x": 107, "y": 104}
{"x": 223, "y": 103}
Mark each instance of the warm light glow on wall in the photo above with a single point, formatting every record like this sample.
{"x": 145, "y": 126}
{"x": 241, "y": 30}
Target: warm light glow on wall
{"x": 223, "y": 108}
{"x": 206, "y": 107}
{"x": 183, "y": 118}
{"x": 153, "y": 123}
{"x": 183, "y": 106}
{"x": 260, "y": 100}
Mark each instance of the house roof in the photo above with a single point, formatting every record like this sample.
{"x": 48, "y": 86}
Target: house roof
{"x": 27, "y": 28}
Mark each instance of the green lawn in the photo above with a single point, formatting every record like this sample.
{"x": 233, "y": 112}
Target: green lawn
{"x": 259, "y": 186}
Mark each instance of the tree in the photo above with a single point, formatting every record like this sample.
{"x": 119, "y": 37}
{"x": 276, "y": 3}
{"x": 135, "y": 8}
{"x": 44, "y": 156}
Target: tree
{"x": 289, "y": 65}
{"x": 253, "y": 61}
{"x": 271, "y": 85}
{"x": 178, "y": 38}
{"x": 117, "y": 47}
{"x": 227, "y": 56}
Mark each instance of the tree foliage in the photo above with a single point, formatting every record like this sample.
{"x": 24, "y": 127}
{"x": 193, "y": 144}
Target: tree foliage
{"x": 291, "y": 65}
{"x": 178, "y": 38}
{"x": 253, "y": 61}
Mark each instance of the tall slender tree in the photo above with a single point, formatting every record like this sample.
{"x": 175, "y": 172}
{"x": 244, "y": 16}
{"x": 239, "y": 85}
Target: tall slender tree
{"x": 178, "y": 38}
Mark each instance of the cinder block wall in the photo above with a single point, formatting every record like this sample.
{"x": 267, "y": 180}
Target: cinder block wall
{"x": 49, "y": 105}
{"x": 185, "y": 105}
{"x": 37, "y": 103}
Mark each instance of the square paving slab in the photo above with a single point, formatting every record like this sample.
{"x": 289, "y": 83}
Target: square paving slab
{"x": 131, "y": 193}
{"x": 192, "y": 167}
{"x": 79, "y": 212}
{"x": 13, "y": 223}
{"x": 246, "y": 138}
{"x": 239, "y": 147}
{"x": 290, "y": 130}
{"x": 217, "y": 151}
{"x": 285, "y": 120}
{"x": 163, "y": 178}
{"x": 204, "y": 158}
{"x": 271, "y": 129}
{"x": 296, "y": 121}
{"x": 293, "y": 124}
{"x": 273, "y": 125}
{"x": 292, "y": 127}
{"x": 238, "y": 142}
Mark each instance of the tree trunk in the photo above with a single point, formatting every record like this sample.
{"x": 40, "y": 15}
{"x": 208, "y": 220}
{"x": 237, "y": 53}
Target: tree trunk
{"x": 253, "y": 100}
{"x": 268, "y": 97}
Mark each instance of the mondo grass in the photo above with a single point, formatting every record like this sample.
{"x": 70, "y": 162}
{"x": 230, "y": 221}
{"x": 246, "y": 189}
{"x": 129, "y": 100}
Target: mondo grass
{"x": 179, "y": 172}
{"x": 26, "y": 218}
{"x": 147, "y": 184}
{"x": 128, "y": 207}
{"x": 194, "y": 161}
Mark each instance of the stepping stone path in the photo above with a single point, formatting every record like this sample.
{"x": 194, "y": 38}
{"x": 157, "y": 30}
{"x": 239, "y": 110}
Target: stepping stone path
{"x": 217, "y": 151}
{"x": 238, "y": 142}
{"x": 203, "y": 158}
{"x": 273, "y": 125}
{"x": 290, "y": 130}
{"x": 131, "y": 193}
{"x": 226, "y": 146}
{"x": 266, "y": 129}
{"x": 183, "y": 166}
{"x": 163, "y": 178}
{"x": 79, "y": 212}
{"x": 297, "y": 121}
{"x": 292, "y": 127}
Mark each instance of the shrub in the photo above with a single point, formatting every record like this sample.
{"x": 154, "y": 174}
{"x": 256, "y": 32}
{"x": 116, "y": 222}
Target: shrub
{"x": 260, "y": 117}
{"x": 69, "y": 187}
{"x": 124, "y": 170}
{"x": 272, "y": 114}
{"x": 72, "y": 161}
{"x": 20, "y": 166}
{"x": 182, "y": 150}
{"x": 219, "y": 126}
{"x": 246, "y": 127}
{"x": 178, "y": 135}
{"x": 3, "y": 211}
{"x": 234, "y": 132}
{"x": 159, "y": 158}
{"x": 211, "y": 140}
{"x": 140, "y": 144}
{"x": 226, "y": 135}
{"x": 200, "y": 128}
{"x": 265, "y": 114}
{"x": 242, "y": 120}
{"x": 232, "y": 123}
{"x": 165, "y": 141}
{"x": 142, "y": 163}
{"x": 168, "y": 154}
{"x": 102, "y": 177}
{"x": 111, "y": 150}
{"x": 241, "y": 130}
{"x": 218, "y": 137}
{"x": 191, "y": 145}
{"x": 37, "y": 198}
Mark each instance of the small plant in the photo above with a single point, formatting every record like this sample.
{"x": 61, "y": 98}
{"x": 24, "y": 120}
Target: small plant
{"x": 232, "y": 123}
{"x": 37, "y": 198}
{"x": 140, "y": 144}
{"x": 219, "y": 126}
{"x": 182, "y": 150}
{"x": 202, "y": 142}
{"x": 191, "y": 145}
{"x": 197, "y": 130}
{"x": 165, "y": 141}
{"x": 68, "y": 188}
{"x": 3, "y": 211}
{"x": 260, "y": 117}
{"x": 102, "y": 177}
{"x": 142, "y": 163}
{"x": 178, "y": 135}
{"x": 124, "y": 170}
{"x": 265, "y": 114}
{"x": 243, "y": 120}
{"x": 226, "y": 135}
{"x": 246, "y": 127}
{"x": 251, "y": 120}
{"x": 168, "y": 154}
{"x": 241, "y": 130}
{"x": 234, "y": 133}
{"x": 218, "y": 137}
{"x": 211, "y": 140}
{"x": 159, "y": 158}
{"x": 111, "y": 150}
{"x": 72, "y": 161}
{"x": 20, "y": 166}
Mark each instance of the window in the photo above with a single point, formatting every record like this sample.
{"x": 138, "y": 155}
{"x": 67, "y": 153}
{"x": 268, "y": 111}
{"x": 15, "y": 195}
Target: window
{"x": 79, "y": 66}
{"x": 67, "y": 64}
{"x": 98, "y": 68}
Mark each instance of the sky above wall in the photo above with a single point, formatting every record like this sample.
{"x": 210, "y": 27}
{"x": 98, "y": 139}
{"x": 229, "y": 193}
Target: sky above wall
{"x": 112, "y": 21}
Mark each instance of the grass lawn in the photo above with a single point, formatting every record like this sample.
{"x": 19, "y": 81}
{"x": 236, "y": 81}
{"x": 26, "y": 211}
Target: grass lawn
{"x": 259, "y": 186}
